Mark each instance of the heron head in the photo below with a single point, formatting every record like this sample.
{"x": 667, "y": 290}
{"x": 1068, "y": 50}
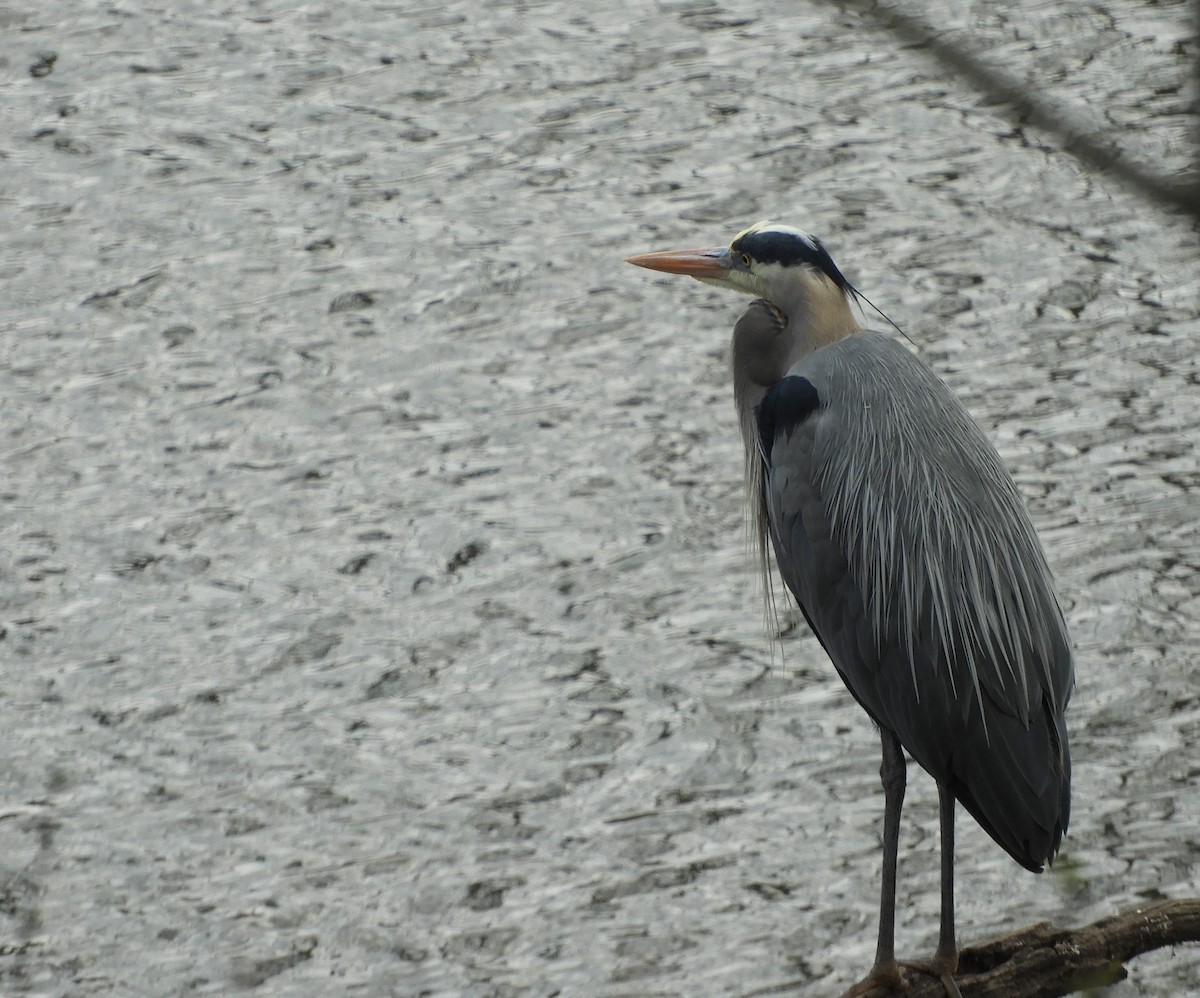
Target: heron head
{"x": 776, "y": 262}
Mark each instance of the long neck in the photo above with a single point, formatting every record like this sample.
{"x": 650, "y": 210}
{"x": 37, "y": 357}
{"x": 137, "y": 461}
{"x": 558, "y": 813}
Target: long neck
{"x": 818, "y": 313}
{"x": 803, "y": 316}
{"x": 810, "y": 313}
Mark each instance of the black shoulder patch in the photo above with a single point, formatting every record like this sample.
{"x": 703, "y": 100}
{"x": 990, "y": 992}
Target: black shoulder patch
{"x": 784, "y": 408}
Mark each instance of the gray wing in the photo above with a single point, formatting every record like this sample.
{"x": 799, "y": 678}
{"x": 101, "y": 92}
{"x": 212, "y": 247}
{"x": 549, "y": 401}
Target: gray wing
{"x": 908, "y": 548}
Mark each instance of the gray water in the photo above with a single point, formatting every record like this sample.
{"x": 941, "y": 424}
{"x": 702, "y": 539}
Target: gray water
{"x": 377, "y": 611}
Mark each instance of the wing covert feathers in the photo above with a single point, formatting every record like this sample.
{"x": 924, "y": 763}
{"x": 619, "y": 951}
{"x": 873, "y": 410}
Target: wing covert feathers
{"x": 907, "y": 545}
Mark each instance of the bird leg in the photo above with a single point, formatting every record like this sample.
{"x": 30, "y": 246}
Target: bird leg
{"x": 885, "y": 976}
{"x": 945, "y": 960}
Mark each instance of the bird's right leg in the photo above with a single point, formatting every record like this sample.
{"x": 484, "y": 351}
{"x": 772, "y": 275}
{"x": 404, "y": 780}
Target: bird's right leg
{"x": 885, "y": 976}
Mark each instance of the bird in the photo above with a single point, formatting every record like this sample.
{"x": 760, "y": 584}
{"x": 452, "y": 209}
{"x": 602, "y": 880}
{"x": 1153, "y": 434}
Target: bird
{"x": 909, "y": 549}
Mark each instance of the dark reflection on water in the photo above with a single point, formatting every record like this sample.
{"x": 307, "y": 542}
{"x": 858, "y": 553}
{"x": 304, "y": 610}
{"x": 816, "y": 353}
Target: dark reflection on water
{"x": 379, "y": 618}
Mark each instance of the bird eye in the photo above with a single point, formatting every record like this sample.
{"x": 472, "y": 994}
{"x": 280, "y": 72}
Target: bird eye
{"x": 746, "y": 260}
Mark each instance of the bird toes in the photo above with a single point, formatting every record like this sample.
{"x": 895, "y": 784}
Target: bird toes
{"x": 941, "y": 967}
{"x": 883, "y": 981}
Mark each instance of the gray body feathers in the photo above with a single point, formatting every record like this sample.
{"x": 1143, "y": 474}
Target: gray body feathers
{"x": 907, "y": 546}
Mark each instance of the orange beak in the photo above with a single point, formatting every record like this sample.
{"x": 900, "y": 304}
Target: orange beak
{"x": 701, "y": 263}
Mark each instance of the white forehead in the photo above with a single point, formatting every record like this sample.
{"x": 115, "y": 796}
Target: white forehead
{"x": 769, "y": 226}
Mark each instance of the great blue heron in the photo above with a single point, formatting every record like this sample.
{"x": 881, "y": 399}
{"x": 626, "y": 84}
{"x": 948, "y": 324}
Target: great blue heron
{"x": 910, "y": 552}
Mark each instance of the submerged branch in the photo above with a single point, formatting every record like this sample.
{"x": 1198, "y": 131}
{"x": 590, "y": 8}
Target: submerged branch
{"x": 1025, "y": 102}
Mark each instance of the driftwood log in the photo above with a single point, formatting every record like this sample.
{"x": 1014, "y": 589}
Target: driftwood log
{"x": 1045, "y": 961}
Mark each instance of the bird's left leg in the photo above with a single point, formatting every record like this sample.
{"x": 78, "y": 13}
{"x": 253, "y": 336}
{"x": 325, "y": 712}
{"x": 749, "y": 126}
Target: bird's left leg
{"x": 885, "y": 977}
{"x": 945, "y": 960}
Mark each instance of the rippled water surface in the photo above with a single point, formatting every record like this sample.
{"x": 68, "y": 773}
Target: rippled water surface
{"x": 377, "y": 612}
